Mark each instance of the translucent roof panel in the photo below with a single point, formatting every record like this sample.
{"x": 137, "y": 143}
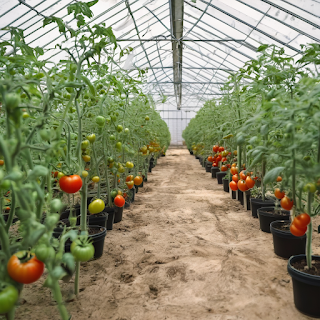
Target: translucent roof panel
{"x": 217, "y": 38}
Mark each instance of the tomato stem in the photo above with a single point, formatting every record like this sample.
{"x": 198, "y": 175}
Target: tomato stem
{"x": 76, "y": 280}
{"x": 58, "y": 297}
{"x": 309, "y": 232}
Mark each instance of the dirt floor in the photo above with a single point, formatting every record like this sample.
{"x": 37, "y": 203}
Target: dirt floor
{"x": 184, "y": 250}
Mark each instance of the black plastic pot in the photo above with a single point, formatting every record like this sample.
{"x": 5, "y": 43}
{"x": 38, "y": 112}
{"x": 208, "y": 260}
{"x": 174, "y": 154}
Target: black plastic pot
{"x": 234, "y": 194}
{"x": 208, "y": 166}
{"x": 132, "y": 194}
{"x": 191, "y": 152}
{"x": 225, "y": 183}
{"x": 197, "y": 157}
{"x": 306, "y": 288}
{"x": 110, "y": 220}
{"x": 240, "y": 196}
{"x": 118, "y": 212}
{"x": 65, "y": 214}
{"x": 214, "y": 171}
{"x": 285, "y": 244}
{"x": 127, "y": 204}
{"x": 266, "y": 215}
{"x": 98, "y": 219}
{"x": 257, "y": 203}
{"x": 247, "y": 196}
{"x": 98, "y": 241}
{"x": 219, "y": 176}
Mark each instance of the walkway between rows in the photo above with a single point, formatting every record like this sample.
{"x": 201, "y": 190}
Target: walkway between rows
{"x": 185, "y": 250}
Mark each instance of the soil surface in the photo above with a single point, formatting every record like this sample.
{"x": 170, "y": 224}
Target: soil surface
{"x": 302, "y": 266}
{"x": 184, "y": 250}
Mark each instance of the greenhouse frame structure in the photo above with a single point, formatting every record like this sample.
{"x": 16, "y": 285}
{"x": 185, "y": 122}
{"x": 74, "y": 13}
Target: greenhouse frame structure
{"x": 189, "y": 47}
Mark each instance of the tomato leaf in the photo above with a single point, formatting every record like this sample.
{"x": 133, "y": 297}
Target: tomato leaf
{"x": 37, "y": 172}
{"x": 272, "y": 175}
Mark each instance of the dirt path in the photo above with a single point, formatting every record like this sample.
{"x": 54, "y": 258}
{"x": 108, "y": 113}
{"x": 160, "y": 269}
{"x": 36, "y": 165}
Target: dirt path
{"x": 184, "y": 250}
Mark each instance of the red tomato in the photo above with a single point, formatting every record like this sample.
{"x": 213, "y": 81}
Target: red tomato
{"x": 279, "y": 179}
{"x": 22, "y": 270}
{"x": 234, "y": 170}
{"x": 221, "y": 149}
{"x": 235, "y": 178}
{"x": 214, "y": 164}
{"x": 129, "y": 178}
{"x": 242, "y": 186}
{"x": 229, "y": 165}
{"x": 210, "y": 159}
{"x": 242, "y": 175}
{"x": 130, "y": 184}
{"x": 301, "y": 221}
{"x": 286, "y": 203}
{"x": 137, "y": 180}
{"x": 297, "y": 232}
{"x": 224, "y": 168}
{"x": 119, "y": 201}
{"x": 233, "y": 186}
{"x": 70, "y": 184}
{"x": 218, "y": 159}
{"x": 250, "y": 182}
{"x": 278, "y": 194}
{"x": 215, "y": 148}
{"x": 224, "y": 159}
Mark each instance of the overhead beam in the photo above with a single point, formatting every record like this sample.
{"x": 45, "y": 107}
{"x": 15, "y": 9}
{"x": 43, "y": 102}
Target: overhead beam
{"x": 176, "y": 22}
{"x": 184, "y": 82}
{"x": 184, "y": 40}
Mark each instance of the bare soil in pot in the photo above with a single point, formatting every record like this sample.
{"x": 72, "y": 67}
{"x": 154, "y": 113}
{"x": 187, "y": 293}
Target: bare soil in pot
{"x": 183, "y": 251}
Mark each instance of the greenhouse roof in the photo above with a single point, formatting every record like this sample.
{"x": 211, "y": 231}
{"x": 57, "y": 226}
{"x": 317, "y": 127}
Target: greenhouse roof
{"x": 189, "y": 47}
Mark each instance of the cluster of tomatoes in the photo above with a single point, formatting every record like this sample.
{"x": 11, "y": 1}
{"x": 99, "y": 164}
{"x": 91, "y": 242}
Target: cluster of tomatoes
{"x": 220, "y": 156}
{"x": 245, "y": 182}
{"x": 300, "y": 223}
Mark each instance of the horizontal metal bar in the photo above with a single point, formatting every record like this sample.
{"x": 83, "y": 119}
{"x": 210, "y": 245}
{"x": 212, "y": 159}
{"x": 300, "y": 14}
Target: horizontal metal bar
{"x": 191, "y": 68}
{"x": 184, "y": 40}
{"x": 195, "y": 82}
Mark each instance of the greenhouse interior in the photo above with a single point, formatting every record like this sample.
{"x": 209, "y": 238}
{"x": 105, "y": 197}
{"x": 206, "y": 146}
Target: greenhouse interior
{"x": 159, "y": 159}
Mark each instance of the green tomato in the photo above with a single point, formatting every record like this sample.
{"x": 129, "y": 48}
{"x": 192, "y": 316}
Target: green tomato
{"x": 126, "y": 131}
{"x": 45, "y": 253}
{"x": 119, "y": 146}
{"x": 114, "y": 118}
{"x": 147, "y": 118}
{"x": 310, "y": 187}
{"x": 84, "y": 144}
{"x": 129, "y": 164}
{"x": 96, "y": 206}
{"x": 102, "y": 91}
{"x": 100, "y": 120}
{"x": 82, "y": 250}
{"x": 8, "y": 297}
{"x": 39, "y": 75}
{"x": 45, "y": 135}
{"x": 52, "y": 220}
{"x": 5, "y": 184}
{"x": 119, "y": 127}
{"x": 86, "y": 97}
{"x": 121, "y": 169}
{"x": 12, "y": 101}
{"x": 112, "y": 137}
{"x": 99, "y": 86}
{"x": 110, "y": 160}
{"x": 114, "y": 193}
{"x": 91, "y": 138}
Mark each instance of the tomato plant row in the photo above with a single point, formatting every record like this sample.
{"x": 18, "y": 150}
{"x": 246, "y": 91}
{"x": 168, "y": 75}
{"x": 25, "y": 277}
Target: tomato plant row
{"x": 68, "y": 128}
{"x": 269, "y": 120}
